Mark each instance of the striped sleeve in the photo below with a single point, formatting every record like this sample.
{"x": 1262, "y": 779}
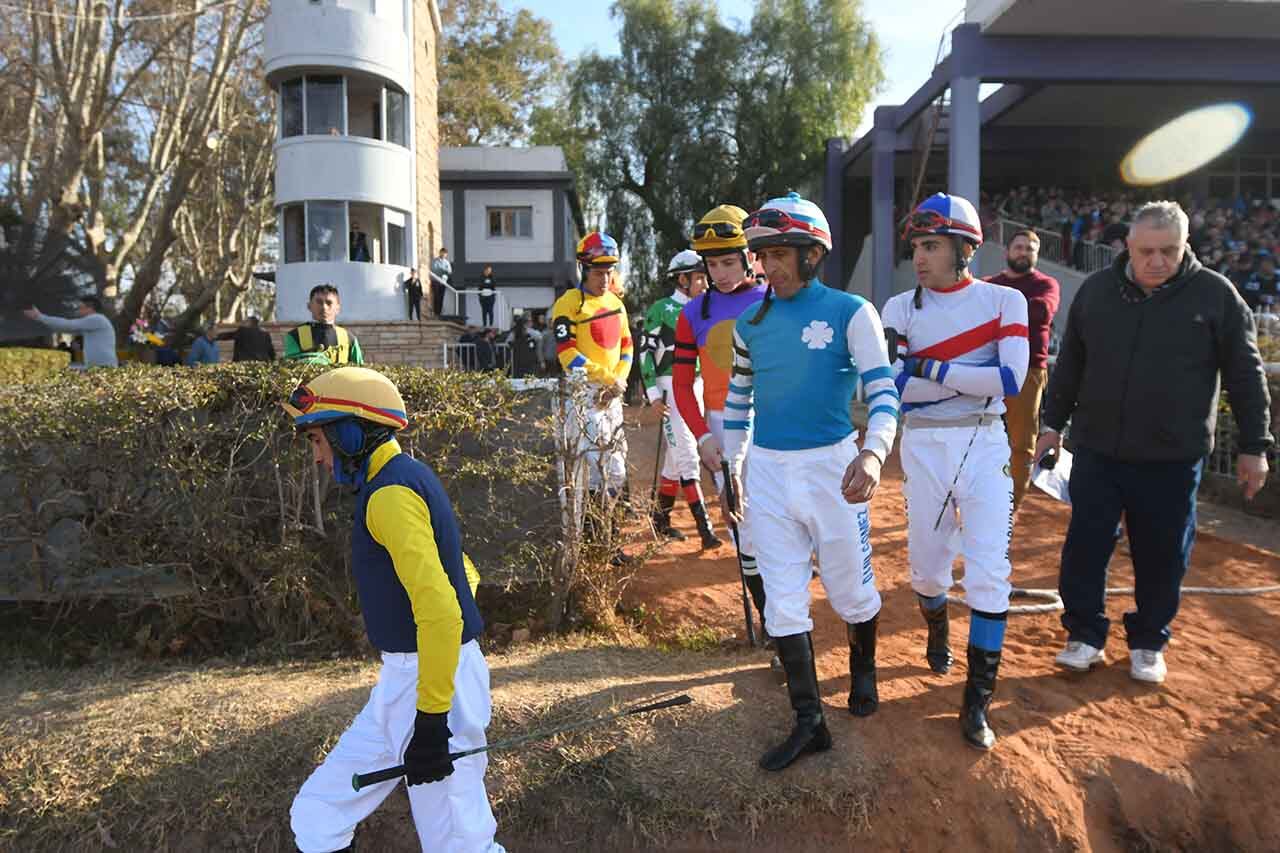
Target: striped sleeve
{"x": 912, "y": 390}
{"x": 1005, "y": 378}
{"x": 737, "y": 405}
{"x": 684, "y": 370}
{"x": 865, "y": 336}
{"x": 652, "y": 331}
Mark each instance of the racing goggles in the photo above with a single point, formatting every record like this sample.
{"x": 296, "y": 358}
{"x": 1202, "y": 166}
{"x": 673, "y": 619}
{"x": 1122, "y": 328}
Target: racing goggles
{"x": 722, "y": 230}
{"x": 303, "y": 399}
{"x": 780, "y": 220}
{"x": 932, "y": 222}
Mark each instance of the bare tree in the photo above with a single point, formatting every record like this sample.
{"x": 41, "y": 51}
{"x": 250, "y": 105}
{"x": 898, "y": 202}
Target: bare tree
{"x": 125, "y": 106}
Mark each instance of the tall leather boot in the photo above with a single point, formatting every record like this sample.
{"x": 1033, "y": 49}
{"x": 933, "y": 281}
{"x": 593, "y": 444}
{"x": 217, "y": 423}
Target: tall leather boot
{"x": 810, "y": 733}
{"x": 979, "y": 687}
{"x": 864, "y": 699}
{"x": 709, "y": 538}
{"x": 662, "y": 519}
{"x": 937, "y": 649}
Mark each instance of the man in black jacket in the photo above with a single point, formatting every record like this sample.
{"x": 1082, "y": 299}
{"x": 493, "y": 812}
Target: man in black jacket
{"x": 252, "y": 343}
{"x": 1138, "y": 375}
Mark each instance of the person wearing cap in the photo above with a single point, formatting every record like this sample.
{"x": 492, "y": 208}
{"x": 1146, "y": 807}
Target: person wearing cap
{"x": 593, "y": 339}
{"x": 417, "y": 596}
{"x": 322, "y": 341}
{"x": 704, "y": 349}
{"x": 961, "y": 349}
{"x": 798, "y": 357}
{"x": 680, "y": 467}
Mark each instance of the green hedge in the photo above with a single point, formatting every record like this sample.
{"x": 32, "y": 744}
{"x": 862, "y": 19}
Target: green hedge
{"x": 145, "y": 481}
{"x": 27, "y": 364}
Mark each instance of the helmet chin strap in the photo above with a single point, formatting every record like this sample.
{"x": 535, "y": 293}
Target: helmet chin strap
{"x": 352, "y": 445}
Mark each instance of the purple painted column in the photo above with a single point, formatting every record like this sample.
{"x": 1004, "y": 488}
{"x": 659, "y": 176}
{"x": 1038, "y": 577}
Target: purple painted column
{"x": 833, "y": 273}
{"x": 883, "y": 143}
{"x": 964, "y": 140}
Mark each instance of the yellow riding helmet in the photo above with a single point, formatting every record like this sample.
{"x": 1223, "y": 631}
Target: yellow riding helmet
{"x": 347, "y": 392}
{"x": 720, "y": 230}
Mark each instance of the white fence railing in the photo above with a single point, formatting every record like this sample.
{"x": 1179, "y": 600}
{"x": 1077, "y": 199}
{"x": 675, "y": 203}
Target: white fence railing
{"x": 465, "y": 303}
{"x": 464, "y": 356}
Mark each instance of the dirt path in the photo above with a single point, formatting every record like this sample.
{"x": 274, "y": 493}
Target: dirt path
{"x": 1085, "y": 762}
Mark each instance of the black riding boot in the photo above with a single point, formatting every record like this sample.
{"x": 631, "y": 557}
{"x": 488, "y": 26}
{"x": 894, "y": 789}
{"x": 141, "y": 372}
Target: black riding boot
{"x": 810, "y": 732}
{"x": 709, "y": 538}
{"x": 864, "y": 699}
{"x": 937, "y": 650}
{"x": 979, "y": 687}
{"x": 662, "y": 518}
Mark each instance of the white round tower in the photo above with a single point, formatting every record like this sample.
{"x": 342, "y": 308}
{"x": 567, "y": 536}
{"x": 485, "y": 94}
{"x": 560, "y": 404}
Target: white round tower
{"x": 345, "y": 180}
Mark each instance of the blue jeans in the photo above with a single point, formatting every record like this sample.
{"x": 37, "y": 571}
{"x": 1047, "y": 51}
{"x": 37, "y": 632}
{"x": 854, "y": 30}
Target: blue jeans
{"x": 1158, "y": 501}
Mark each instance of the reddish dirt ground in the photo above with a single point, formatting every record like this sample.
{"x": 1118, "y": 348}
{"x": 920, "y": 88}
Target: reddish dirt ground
{"x": 1085, "y": 762}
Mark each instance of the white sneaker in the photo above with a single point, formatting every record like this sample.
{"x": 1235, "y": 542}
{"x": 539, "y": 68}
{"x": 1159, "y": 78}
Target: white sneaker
{"x": 1080, "y": 656}
{"x": 1146, "y": 665}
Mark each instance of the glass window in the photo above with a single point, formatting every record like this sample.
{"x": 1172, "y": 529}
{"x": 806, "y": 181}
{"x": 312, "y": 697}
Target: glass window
{"x": 396, "y": 245}
{"x": 291, "y": 108}
{"x": 295, "y": 235}
{"x": 396, "y": 118}
{"x": 324, "y": 105}
{"x": 510, "y": 221}
{"x": 326, "y": 231}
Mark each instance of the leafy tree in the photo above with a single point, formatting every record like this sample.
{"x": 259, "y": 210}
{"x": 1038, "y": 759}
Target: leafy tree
{"x": 694, "y": 112}
{"x": 495, "y": 70}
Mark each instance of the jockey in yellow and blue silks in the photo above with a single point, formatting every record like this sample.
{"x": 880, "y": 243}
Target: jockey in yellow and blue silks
{"x": 418, "y": 602}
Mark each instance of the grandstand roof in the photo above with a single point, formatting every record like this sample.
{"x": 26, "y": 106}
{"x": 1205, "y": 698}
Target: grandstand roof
{"x": 1199, "y": 18}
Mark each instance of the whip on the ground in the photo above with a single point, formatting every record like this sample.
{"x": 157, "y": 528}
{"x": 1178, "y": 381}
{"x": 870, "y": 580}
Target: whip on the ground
{"x": 362, "y": 780}
{"x": 732, "y": 497}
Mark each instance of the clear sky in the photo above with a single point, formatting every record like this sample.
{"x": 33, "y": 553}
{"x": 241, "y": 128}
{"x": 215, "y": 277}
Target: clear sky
{"x": 909, "y": 32}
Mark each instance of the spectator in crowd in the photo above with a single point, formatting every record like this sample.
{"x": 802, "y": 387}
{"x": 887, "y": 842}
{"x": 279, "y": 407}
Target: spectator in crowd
{"x": 166, "y": 355}
{"x": 359, "y": 243}
{"x": 204, "y": 349}
{"x": 487, "y": 296}
{"x": 413, "y": 290}
{"x": 524, "y": 348}
{"x": 91, "y": 324}
{"x": 443, "y": 269}
{"x": 1022, "y": 411}
{"x": 487, "y": 350}
{"x": 252, "y": 343}
{"x": 536, "y": 329}
{"x": 1138, "y": 377}
{"x": 1262, "y": 290}
{"x": 322, "y": 341}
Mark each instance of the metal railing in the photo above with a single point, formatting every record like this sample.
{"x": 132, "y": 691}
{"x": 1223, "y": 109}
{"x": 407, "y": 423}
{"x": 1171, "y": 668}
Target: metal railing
{"x": 463, "y": 356}
{"x": 1090, "y": 256}
{"x": 465, "y": 303}
{"x": 1085, "y": 255}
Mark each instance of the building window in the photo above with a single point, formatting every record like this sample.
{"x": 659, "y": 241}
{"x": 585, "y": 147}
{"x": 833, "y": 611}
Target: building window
{"x": 326, "y": 231}
{"x": 291, "y": 120}
{"x": 510, "y": 221}
{"x": 324, "y": 105}
{"x": 396, "y": 118}
{"x": 295, "y": 234}
{"x": 397, "y": 245}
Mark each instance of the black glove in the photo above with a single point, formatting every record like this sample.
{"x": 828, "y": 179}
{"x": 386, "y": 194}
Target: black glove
{"x": 426, "y": 759}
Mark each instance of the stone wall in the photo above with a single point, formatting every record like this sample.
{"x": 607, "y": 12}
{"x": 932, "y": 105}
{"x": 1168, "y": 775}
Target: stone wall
{"x": 404, "y": 342}
{"x": 426, "y": 38}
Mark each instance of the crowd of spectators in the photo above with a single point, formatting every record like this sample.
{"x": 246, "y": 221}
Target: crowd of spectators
{"x": 1237, "y": 238}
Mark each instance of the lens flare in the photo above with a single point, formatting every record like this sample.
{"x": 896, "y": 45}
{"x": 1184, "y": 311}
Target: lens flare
{"x": 1186, "y": 143}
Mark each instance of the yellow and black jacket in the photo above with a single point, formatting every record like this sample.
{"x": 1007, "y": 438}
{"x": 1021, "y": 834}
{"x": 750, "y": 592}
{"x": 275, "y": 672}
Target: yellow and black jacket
{"x": 320, "y": 343}
{"x": 411, "y": 575}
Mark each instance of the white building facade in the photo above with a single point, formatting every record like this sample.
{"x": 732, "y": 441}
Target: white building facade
{"x": 515, "y": 210}
{"x": 347, "y": 179}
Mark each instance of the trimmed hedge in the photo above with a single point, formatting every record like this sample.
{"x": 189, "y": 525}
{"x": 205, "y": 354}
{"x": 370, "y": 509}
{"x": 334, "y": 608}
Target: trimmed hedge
{"x": 107, "y": 475}
{"x": 28, "y": 364}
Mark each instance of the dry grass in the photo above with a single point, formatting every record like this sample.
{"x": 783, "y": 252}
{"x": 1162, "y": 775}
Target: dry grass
{"x": 150, "y": 757}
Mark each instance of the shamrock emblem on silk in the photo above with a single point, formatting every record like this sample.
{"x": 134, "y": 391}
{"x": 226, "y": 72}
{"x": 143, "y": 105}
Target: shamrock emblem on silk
{"x": 817, "y": 334}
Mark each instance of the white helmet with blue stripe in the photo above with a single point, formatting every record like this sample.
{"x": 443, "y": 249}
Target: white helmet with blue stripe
{"x": 787, "y": 221}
